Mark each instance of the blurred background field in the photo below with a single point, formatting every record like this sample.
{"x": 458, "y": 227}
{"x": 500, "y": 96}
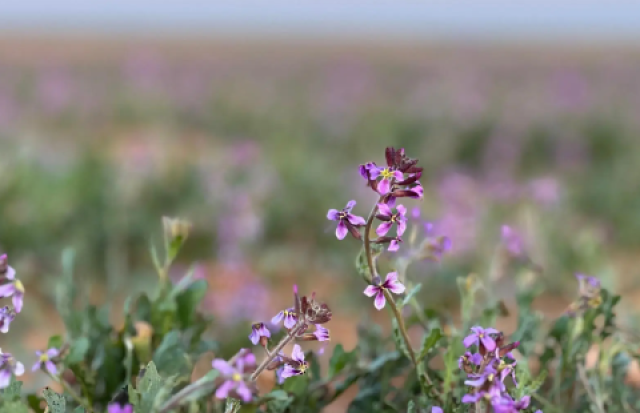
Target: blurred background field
{"x": 254, "y": 141}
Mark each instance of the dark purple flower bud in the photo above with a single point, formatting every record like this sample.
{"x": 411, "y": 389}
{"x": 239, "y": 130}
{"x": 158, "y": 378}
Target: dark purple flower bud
{"x": 315, "y": 312}
{"x": 347, "y": 222}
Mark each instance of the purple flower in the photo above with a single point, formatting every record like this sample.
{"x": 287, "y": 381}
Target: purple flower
{"x": 481, "y": 335}
{"x": 321, "y": 333}
{"x": 390, "y": 218}
{"x": 391, "y": 283}
{"x": 290, "y": 318}
{"x": 8, "y": 367}
{"x": 479, "y": 379}
{"x": 436, "y": 409}
{"x": 119, "y": 408}
{"x": 233, "y": 380}
{"x": 469, "y": 358}
{"x": 296, "y": 365}
{"x": 394, "y": 245}
{"x": 6, "y": 270}
{"x": 415, "y": 213}
{"x": 6, "y": 317}
{"x": 505, "y": 404}
{"x": 44, "y": 360}
{"x": 258, "y": 330}
{"x": 13, "y": 289}
{"x": 588, "y": 282}
{"x": 512, "y": 240}
{"x": 347, "y": 221}
{"x": 389, "y": 175}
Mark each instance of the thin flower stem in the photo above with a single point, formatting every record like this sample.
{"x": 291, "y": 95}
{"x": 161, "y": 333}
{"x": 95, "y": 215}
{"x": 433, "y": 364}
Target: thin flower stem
{"x": 367, "y": 242}
{"x": 285, "y": 340}
{"x": 387, "y": 294}
{"x": 71, "y": 392}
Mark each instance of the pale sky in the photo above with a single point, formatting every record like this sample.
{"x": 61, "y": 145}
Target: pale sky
{"x": 524, "y": 19}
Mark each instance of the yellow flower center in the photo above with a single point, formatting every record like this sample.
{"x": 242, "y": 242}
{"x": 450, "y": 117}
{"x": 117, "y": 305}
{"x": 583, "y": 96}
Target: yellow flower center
{"x": 386, "y": 173}
{"x": 303, "y": 367}
{"x": 236, "y": 377}
{"x": 480, "y": 335}
{"x": 490, "y": 377}
{"x": 44, "y": 357}
{"x": 595, "y": 301}
{"x": 19, "y": 286}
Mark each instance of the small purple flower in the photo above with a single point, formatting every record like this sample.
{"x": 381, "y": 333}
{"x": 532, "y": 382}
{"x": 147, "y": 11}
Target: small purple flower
{"x": 6, "y": 317}
{"x": 234, "y": 381}
{"x": 390, "y": 218}
{"x": 588, "y": 282}
{"x": 14, "y": 289}
{"x": 436, "y": 409}
{"x": 512, "y": 240}
{"x": 321, "y": 333}
{"x": 479, "y": 379}
{"x": 119, "y": 408}
{"x": 389, "y": 175}
{"x": 394, "y": 245}
{"x": 505, "y": 404}
{"x": 258, "y": 330}
{"x": 44, "y": 360}
{"x": 481, "y": 335}
{"x": 391, "y": 283}
{"x": 347, "y": 222}
{"x": 289, "y": 316}
{"x": 296, "y": 365}
{"x": 475, "y": 358}
{"x": 9, "y": 366}
{"x": 415, "y": 213}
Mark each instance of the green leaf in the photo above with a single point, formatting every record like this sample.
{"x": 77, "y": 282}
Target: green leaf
{"x": 143, "y": 309}
{"x": 154, "y": 258}
{"x": 14, "y": 406}
{"x": 34, "y": 403}
{"x": 411, "y": 407}
{"x": 232, "y": 405}
{"x": 78, "y": 350}
{"x": 297, "y": 385}
{"x": 148, "y": 388}
{"x": 204, "y": 386}
{"x": 78, "y": 409}
{"x": 55, "y": 341}
{"x": 415, "y": 290}
{"x": 189, "y": 301}
{"x": 55, "y": 401}
{"x": 339, "y": 360}
{"x": 428, "y": 342}
{"x": 12, "y": 391}
{"x": 171, "y": 355}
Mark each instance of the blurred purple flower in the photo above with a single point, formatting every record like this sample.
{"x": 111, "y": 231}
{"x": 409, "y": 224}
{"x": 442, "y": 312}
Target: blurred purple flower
{"x": 321, "y": 333}
{"x": 481, "y": 335}
{"x": 6, "y": 270}
{"x": 14, "y": 289}
{"x": 6, "y": 317}
{"x": 391, "y": 283}
{"x": 44, "y": 360}
{"x": 119, "y": 408}
{"x": 511, "y": 240}
{"x": 545, "y": 191}
{"x": 233, "y": 380}
{"x": 9, "y": 366}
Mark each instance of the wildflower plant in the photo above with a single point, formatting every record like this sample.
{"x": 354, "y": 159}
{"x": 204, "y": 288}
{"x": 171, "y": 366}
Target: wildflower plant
{"x": 467, "y": 366}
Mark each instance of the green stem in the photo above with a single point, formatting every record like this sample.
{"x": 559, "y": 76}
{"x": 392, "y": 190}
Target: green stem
{"x": 71, "y": 392}
{"x": 392, "y": 304}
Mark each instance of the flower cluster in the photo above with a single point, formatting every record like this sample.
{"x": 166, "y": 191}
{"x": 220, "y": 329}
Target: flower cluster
{"x": 488, "y": 368}
{"x": 10, "y": 286}
{"x": 306, "y": 311}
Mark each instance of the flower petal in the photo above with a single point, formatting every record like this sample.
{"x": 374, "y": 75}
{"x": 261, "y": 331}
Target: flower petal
{"x": 356, "y": 220}
{"x": 277, "y": 318}
{"x": 289, "y": 371}
{"x": 244, "y": 392}
{"x": 342, "y": 230}
{"x": 7, "y": 290}
{"x": 436, "y": 409}
{"x": 51, "y": 367}
{"x": 333, "y": 215}
{"x": 402, "y": 226}
{"x": 394, "y": 246}
{"x": 398, "y": 175}
{"x": 254, "y": 337}
{"x": 380, "y": 301}
{"x": 223, "y": 367}
{"x": 17, "y": 301}
{"x": 223, "y": 391}
{"x": 36, "y": 366}
{"x": 470, "y": 340}
{"x": 401, "y": 209}
{"x": 350, "y": 206}
{"x": 385, "y": 210}
{"x": 52, "y": 352}
{"x": 396, "y": 287}
{"x": 297, "y": 353}
{"x": 19, "y": 370}
{"x": 383, "y": 228}
{"x": 488, "y": 343}
{"x": 371, "y": 290}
